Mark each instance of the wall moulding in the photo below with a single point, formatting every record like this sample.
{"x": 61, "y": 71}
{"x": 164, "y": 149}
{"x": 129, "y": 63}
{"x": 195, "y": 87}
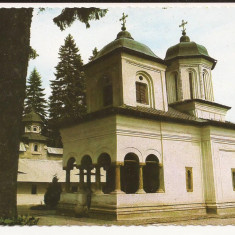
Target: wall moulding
{"x": 143, "y": 66}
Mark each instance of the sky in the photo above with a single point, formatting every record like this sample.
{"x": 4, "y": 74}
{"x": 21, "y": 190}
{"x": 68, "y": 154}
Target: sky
{"x": 155, "y": 25}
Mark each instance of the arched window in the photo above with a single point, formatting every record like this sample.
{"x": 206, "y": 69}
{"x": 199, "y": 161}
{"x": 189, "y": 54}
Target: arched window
{"x": 191, "y": 85}
{"x": 176, "y": 86}
{"x": 35, "y": 148}
{"x": 141, "y": 93}
{"x": 206, "y": 84}
{"x": 172, "y": 87}
{"x": 107, "y": 91}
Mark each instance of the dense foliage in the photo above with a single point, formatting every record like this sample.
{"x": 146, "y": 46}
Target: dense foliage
{"x": 20, "y": 220}
{"x": 84, "y": 15}
{"x": 52, "y": 195}
{"x": 15, "y": 52}
{"x": 68, "y": 89}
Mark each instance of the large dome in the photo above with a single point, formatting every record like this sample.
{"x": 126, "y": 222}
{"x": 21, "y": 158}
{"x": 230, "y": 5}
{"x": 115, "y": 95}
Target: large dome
{"x": 125, "y": 41}
{"x": 187, "y": 49}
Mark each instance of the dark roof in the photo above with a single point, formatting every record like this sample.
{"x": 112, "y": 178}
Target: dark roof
{"x": 187, "y": 49}
{"x": 200, "y": 101}
{"x": 32, "y": 117}
{"x": 34, "y": 136}
{"x": 171, "y": 115}
{"x": 125, "y": 42}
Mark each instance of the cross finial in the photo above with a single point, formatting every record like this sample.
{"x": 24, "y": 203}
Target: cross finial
{"x": 123, "y": 19}
{"x": 183, "y": 26}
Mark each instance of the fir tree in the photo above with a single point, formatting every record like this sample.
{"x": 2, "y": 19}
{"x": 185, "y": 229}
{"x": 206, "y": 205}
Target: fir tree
{"x": 68, "y": 89}
{"x": 15, "y": 53}
{"x": 34, "y": 95}
{"x": 94, "y": 54}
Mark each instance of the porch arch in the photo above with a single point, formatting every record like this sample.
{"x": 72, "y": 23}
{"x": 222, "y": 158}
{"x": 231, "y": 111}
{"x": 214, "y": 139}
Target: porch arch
{"x": 151, "y": 174}
{"x": 130, "y": 172}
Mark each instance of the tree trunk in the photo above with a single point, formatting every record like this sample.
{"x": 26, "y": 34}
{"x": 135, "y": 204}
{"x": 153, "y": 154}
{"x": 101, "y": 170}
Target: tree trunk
{"x": 14, "y": 55}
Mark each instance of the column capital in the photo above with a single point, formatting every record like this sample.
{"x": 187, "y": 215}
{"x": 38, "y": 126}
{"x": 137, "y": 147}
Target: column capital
{"x": 142, "y": 164}
{"x": 117, "y": 163}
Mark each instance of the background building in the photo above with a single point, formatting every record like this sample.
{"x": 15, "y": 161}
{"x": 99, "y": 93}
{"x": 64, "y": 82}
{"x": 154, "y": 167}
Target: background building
{"x": 38, "y": 163}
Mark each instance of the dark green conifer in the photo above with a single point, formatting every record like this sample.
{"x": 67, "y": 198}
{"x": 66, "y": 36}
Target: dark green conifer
{"x": 34, "y": 95}
{"x": 67, "y": 101}
{"x": 94, "y": 54}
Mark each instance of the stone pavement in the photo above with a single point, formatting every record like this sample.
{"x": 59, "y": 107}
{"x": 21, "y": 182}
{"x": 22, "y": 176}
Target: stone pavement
{"x": 49, "y": 217}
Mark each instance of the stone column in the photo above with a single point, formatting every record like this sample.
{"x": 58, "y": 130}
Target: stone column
{"x": 89, "y": 178}
{"x": 97, "y": 179}
{"x": 141, "y": 182}
{"x": 67, "y": 187}
{"x": 117, "y": 189}
{"x": 81, "y": 171}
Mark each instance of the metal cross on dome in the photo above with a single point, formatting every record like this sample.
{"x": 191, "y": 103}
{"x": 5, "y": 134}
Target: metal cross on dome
{"x": 123, "y": 19}
{"x": 183, "y": 25}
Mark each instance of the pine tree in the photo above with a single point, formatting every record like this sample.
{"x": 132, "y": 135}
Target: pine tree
{"x": 15, "y": 53}
{"x": 34, "y": 95}
{"x": 68, "y": 89}
{"x": 94, "y": 54}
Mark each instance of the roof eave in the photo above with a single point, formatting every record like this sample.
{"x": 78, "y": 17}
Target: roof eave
{"x": 128, "y": 50}
{"x": 167, "y": 61}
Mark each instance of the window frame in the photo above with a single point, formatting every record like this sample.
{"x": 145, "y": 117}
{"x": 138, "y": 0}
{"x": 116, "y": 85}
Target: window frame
{"x": 233, "y": 178}
{"x": 108, "y": 99}
{"x": 138, "y": 86}
{"x": 189, "y": 169}
{"x": 36, "y": 145}
{"x": 190, "y": 77}
{"x": 34, "y": 189}
{"x": 176, "y": 86}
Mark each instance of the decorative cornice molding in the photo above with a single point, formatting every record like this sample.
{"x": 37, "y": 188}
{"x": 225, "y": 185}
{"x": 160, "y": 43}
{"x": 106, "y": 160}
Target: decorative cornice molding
{"x": 143, "y": 66}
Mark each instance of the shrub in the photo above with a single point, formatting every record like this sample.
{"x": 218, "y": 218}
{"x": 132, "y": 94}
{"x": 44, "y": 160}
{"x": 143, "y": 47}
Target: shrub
{"x": 52, "y": 195}
{"x": 20, "y": 220}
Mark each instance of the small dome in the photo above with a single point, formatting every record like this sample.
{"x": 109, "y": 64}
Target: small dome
{"x": 125, "y": 40}
{"x": 187, "y": 49}
{"x": 32, "y": 117}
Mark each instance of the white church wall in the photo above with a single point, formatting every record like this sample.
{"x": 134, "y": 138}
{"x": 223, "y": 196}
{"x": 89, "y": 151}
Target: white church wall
{"x": 180, "y": 148}
{"x": 108, "y": 67}
{"x": 90, "y": 138}
{"x": 131, "y": 66}
{"x": 223, "y": 148}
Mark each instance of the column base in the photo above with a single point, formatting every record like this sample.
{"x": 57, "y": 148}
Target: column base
{"x": 98, "y": 192}
{"x": 117, "y": 192}
{"x": 140, "y": 191}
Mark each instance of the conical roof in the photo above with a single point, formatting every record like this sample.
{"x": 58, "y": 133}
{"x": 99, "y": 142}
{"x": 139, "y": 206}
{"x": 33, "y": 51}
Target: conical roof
{"x": 32, "y": 117}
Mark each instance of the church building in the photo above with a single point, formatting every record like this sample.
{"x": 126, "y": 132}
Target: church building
{"x": 154, "y": 139}
{"x": 38, "y": 163}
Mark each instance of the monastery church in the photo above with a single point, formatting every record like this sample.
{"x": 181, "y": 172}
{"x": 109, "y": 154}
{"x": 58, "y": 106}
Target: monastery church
{"x": 154, "y": 140}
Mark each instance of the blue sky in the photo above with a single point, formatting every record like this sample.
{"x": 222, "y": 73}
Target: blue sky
{"x": 156, "y": 27}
